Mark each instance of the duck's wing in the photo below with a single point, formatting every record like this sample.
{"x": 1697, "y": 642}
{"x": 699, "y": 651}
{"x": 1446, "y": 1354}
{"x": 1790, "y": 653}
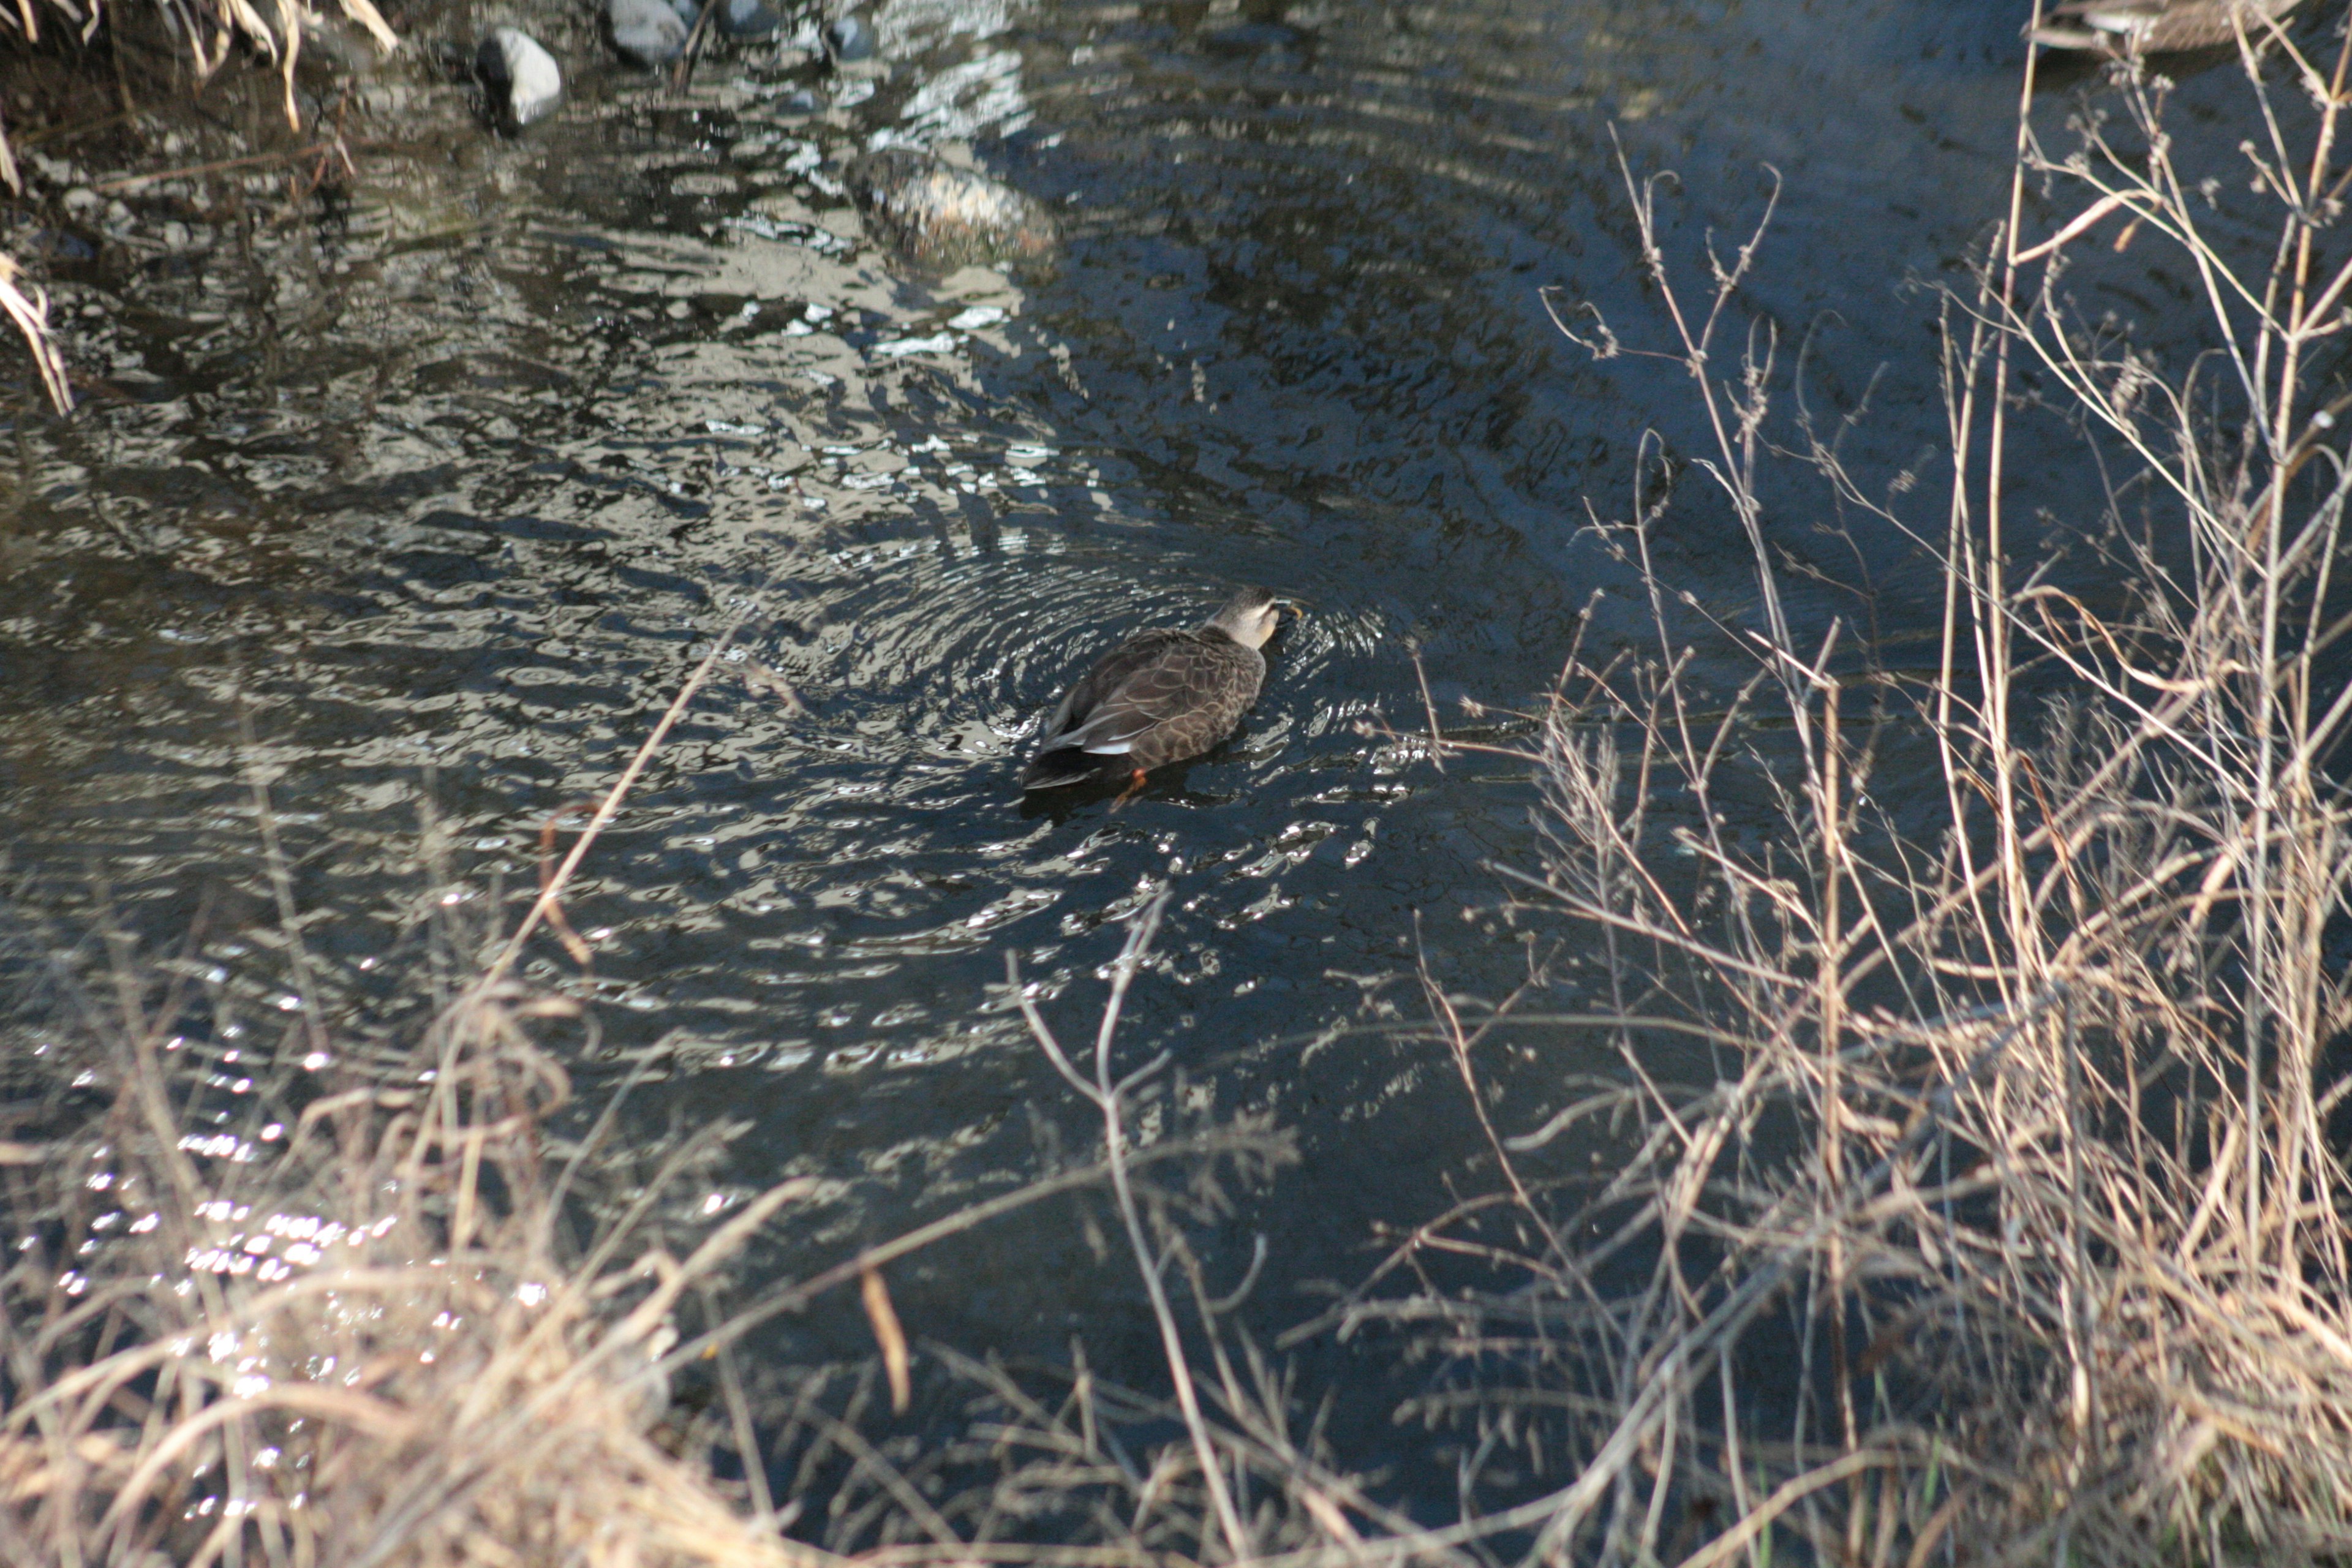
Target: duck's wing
{"x": 1098, "y": 689}
{"x": 1183, "y": 699}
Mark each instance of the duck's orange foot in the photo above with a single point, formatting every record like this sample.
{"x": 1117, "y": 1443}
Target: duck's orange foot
{"x": 1134, "y": 784}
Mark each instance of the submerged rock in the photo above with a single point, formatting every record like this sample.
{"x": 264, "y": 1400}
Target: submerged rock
{"x": 849, "y": 39}
{"x": 747, "y": 19}
{"x": 333, "y": 47}
{"x": 518, "y": 76}
{"x": 941, "y": 215}
{"x": 649, "y": 32}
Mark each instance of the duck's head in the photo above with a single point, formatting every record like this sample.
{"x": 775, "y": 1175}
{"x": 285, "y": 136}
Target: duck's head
{"x": 1250, "y": 616}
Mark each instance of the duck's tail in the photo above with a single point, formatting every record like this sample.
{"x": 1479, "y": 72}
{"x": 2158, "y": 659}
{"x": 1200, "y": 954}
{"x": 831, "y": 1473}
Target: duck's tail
{"x": 1069, "y": 765}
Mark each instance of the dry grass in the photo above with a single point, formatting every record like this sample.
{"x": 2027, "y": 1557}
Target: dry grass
{"x": 300, "y": 1323}
{"x": 207, "y": 32}
{"x": 363, "y": 1331}
{"x": 347, "y": 1336}
{"x": 2022, "y": 1158}
{"x": 29, "y": 312}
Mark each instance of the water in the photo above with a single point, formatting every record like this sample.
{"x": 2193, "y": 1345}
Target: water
{"x": 442, "y": 487}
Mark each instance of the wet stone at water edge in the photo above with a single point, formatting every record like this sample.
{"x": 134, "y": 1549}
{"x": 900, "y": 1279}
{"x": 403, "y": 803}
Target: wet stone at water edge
{"x": 519, "y": 78}
{"x": 747, "y": 19}
{"x": 649, "y": 32}
{"x": 849, "y": 39}
{"x": 937, "y": 214}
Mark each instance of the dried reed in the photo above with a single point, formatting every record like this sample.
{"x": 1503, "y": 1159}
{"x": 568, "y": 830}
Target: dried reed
{"x": 2019, "y": 1176}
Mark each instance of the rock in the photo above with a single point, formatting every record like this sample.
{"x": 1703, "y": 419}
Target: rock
{"x": 849, "y": 39}
{"x": 732, "y": 18}
{"x": 635, "y": 1371}
{"x": 81, "y": 201}
{"x": 1252, "y": 38}
{"x": 518, "y": 76}
{"x": 747, "y": 19}
{"x": 60, "y": 245}
{"x": 941, "y": 216}
{"x": 649, "y": 32}
{"x": 334, "y": 48}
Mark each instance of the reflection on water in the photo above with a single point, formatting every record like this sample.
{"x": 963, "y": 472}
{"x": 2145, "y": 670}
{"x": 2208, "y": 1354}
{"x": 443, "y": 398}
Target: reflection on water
{"x": 444, "y": 490}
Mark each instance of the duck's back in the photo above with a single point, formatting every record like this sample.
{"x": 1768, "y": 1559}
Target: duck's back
{"x": 1158, "y": 697}
{"x": 2158, "y": 27}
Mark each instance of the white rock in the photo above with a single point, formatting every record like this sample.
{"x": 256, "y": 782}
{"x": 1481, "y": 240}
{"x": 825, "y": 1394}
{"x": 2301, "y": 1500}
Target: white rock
{"x": 521, "y": 77}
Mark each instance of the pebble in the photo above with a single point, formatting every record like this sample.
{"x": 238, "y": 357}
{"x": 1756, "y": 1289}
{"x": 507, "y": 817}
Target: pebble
{"x": 63, "y": 244}
{"x": 849, "y": 38}
{"x": 81, "y": 199}
{"x": 649, "y": 32}
{"x": 520, "y": 77}
{"x": 941, "y": 216}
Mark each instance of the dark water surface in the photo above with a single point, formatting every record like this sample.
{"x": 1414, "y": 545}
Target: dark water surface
{"x": 446, "y": 486}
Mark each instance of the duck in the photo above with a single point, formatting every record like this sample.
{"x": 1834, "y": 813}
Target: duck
{"x": 1162, "y": 696}
{"x": 2154, "y": 27}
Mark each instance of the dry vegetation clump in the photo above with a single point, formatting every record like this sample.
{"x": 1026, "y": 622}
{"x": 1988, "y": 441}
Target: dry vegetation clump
{"x": 2009, "y": 1224}
{"x": 208, "y": 31}
{"x": 359, "y": 1331}
{"x": 249, "y": 1313}
{"x": 205, "y": 33}
{"x": 342, "y": 1332}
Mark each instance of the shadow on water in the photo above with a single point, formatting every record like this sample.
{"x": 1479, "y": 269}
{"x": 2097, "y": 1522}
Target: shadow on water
{"x": 447, "y": 488}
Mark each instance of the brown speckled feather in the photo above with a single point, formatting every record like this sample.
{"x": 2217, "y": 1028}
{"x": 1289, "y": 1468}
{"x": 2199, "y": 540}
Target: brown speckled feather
{"x": 2156, "y": 26}
{"x": 1157, "y": 698}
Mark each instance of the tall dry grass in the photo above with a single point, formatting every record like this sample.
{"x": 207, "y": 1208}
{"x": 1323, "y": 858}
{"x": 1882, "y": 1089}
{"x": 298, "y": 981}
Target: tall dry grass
{"x": 335, "y": 1314}
{"x": 2008, "y": 1223}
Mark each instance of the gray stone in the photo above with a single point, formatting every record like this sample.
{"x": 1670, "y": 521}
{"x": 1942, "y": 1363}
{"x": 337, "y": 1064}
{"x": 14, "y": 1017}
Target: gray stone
{"x": 849, "y": 39}
{"x": 649, "y": 32}
{"x": 942, "y": 216}
{"x": 333, "y": 47}
{"x": 747, "y": 19}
